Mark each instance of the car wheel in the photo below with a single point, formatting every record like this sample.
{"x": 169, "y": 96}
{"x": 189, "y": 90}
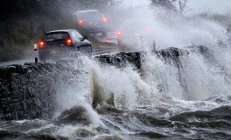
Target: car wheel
{"x": 104, "y": 33}
{"x": 87, "y": 50}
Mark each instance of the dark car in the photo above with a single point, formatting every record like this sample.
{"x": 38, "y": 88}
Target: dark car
{"x": 135, "y": 35}
{"x": 91, "y": 20}
{"x": 62, "y": 44}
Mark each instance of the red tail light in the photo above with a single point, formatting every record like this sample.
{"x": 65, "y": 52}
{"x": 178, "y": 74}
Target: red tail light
{"x": 69, "y": 42}
{"x": 106, "y": 39}
{"x": 149, "y": 30}
{"x": 118, "y": 33}
{"x": 41, "y": 44}
{"x": 104, "y": 19}
{"x": 80, "y": 22}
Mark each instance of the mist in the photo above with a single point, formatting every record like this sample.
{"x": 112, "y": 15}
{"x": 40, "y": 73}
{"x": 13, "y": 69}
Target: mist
{"x": 172, "y": 28}
{"x": 214, "y": 6}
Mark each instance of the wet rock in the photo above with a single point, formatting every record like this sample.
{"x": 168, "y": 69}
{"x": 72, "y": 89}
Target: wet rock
{"x": 21, "y": 95}
{"x": 200, "y": 49}
{"x": 121, "y": 59}
{"x": 172, "y": 52}
{"x": 4, "y": 73}
{"x": 75, "y": 115}
{"x": 109, "y": 137}
{"x": 17, "y": 69}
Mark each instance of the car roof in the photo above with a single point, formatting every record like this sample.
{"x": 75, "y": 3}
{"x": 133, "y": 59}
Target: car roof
{"x": 85, "y": 11}
{"x": 136, "y": 21}
{"x": 63, "y": 30}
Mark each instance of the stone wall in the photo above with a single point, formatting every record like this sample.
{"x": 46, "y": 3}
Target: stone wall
{"x": 26, "y": 91}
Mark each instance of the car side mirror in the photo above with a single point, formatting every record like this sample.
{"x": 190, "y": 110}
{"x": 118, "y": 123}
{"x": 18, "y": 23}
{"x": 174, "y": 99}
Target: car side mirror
{"x": 84, "y": 37}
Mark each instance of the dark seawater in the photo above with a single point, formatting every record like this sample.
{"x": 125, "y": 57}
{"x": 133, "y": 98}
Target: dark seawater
{"x": 122, "y": 124}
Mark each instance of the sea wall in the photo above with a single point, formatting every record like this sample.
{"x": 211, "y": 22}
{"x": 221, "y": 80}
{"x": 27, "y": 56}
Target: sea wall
{"x": 27, "y": 91}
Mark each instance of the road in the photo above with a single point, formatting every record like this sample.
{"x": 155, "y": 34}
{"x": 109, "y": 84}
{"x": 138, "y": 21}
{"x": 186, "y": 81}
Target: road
{"x": 110, "y": 38}
{"x": 110, "y": 47}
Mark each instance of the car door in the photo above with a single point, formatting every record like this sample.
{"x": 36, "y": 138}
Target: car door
{"x": 82, "y": 45}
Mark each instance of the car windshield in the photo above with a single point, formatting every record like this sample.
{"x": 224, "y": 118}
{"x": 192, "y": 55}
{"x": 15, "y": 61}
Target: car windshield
{"x": 135, "y": 25}
{"x": 90, "y": 15}
{"x": 56, "y": 36}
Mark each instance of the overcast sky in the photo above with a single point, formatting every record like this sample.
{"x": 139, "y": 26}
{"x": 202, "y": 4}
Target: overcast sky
{"x": 216, "y": 6}
{"x": 134, "y": 3}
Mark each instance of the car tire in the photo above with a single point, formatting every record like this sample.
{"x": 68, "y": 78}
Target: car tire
{"x": 90, "y": 52}
{"x": 87, "y": 50}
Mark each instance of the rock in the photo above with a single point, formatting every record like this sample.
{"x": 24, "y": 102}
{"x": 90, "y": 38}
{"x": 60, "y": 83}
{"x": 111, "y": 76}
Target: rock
{"x": 73, "y": 116}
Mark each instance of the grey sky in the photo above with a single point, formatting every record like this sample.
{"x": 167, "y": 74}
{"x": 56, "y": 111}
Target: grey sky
{"x": 216, "y": 6}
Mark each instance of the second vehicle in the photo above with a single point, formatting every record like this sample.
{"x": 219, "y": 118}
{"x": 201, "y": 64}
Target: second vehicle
{"x": 91, "y": 20}
{"x": 135, "y": 35}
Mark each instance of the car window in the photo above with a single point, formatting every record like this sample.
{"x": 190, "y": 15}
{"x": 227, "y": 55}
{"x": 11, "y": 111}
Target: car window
{"x": 134, "y": 25}
{"x": 73, "y": 34}
{"x": 56, "y": 36}
{"x": 90, "y": 15}
{"x": 79, "y": 35}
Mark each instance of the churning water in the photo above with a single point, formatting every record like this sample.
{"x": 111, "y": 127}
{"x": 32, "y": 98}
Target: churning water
{"x": 162, "y": 100}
